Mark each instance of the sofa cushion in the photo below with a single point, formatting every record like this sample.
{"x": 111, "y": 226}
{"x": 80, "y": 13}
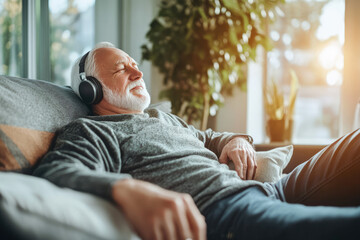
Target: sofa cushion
{"x": 270, "y": 164}
{"x": 37, "y": 209}
{"x": 31, "y": 112}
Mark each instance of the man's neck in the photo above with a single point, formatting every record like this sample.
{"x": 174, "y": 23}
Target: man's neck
{"x": 105, "y": 108}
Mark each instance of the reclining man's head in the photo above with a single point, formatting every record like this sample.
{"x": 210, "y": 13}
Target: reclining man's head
{"x": 122, "y": 84}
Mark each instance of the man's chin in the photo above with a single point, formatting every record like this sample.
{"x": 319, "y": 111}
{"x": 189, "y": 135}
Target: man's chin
{"x": 142, "y": 96}
{"x": 143, "y": 101}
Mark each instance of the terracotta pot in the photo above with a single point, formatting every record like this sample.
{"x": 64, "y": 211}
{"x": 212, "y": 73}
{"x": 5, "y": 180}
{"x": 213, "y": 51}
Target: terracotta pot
{"x": 279, "y": 130}
{"x": 289, "y": 130}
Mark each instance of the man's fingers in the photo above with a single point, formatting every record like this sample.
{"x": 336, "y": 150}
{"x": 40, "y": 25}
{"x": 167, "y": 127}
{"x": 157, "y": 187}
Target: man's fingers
{"x": 196, "y": 220}
{"x": 239, "y": 169}
{"x": 181, "y": 221}
{"x": 241, "y": 159}
{"x": 169, "y": 229}
{"x": 254, "y": 165}
{"x": 254, "y": 173}
{"x": 157, "y": 213}
{"x": 245, "y": 167}
{"x": 157, "y": 229}
{"x": 241, "y": 153}
{"x": 245, "y": 164}
{"x": 223, "y": 157}
{"x": 250, "y": 169}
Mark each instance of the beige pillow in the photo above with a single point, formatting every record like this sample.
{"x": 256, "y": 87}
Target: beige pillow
{"x": 270, "y": 164}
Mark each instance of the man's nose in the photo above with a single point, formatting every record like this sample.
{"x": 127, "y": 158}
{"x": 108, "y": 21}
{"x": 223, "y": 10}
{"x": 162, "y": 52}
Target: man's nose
{"x": 136, "y": 74}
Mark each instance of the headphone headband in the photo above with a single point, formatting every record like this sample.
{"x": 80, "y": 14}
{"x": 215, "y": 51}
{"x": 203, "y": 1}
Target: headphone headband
{"x": 82, "y": 66}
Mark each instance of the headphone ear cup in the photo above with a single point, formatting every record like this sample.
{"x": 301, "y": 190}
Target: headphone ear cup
{"x": 98, "y": 88}
{"x": 90, "y": 90}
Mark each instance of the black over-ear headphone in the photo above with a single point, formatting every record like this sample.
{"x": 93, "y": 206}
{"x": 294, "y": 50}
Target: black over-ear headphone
{"x": 90, "y": 88}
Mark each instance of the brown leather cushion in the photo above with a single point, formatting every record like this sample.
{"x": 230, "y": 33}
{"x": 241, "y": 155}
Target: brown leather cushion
{"x": 30, "y": 113}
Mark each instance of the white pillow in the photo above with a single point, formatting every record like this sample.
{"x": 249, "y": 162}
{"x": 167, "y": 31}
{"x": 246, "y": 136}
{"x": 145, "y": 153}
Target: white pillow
{"x": 270, "y": 164}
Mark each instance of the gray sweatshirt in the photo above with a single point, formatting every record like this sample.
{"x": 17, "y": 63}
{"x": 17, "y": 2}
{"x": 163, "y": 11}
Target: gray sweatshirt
{"x": 91, "y": 153}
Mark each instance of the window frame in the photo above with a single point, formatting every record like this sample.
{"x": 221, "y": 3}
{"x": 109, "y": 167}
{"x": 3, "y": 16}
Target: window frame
{"x": 350, "y": 89}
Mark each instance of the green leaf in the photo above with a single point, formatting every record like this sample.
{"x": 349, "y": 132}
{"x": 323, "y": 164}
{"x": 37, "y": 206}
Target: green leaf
{"x": 232, "y": 5}
{"x": 202, "y": 13}
{"x": 233, "y": 36}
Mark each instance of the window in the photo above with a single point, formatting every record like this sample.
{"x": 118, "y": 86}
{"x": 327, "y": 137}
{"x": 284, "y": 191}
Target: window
{"x": 309, "y": 38}
{"x": 10, "y": 37}
{"x": 72, "y": 32}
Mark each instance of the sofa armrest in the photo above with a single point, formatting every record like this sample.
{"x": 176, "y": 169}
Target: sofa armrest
{"x": 37, "y": 209}
{"x": 301, "y": 153}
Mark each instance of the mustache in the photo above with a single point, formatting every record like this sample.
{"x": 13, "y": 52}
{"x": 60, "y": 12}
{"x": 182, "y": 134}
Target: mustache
{"x": 134, "y": 84}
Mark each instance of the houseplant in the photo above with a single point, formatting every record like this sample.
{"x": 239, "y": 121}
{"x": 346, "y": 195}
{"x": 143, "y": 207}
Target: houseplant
{"x": 202, "y": 48}
{"x": 279, "y": 112}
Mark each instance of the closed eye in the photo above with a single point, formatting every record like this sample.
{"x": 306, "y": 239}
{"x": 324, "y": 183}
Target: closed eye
{"x": 120, "y": 67}
{"x": 119, "y": 70}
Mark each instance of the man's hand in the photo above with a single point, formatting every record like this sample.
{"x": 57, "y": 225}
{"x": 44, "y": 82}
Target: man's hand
{"x": 157, "y": 213}
{"x": 240, "y": 151}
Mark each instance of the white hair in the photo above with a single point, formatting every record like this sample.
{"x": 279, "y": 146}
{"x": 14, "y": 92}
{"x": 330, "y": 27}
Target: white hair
{"x": 90, "y": 66}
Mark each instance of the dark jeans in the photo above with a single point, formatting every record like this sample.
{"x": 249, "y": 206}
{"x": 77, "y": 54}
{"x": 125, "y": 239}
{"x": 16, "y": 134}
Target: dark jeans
{"x": 320, "y": 199}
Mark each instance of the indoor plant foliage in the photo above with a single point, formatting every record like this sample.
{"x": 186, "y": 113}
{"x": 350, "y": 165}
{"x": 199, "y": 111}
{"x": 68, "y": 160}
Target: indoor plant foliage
{"x": 280, "y": 112}
{"x": 202, "y": 47}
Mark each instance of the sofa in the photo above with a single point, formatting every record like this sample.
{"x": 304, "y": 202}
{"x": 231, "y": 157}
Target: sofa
{"x": 34, "y": 208}
{"x": 31, "y": 207}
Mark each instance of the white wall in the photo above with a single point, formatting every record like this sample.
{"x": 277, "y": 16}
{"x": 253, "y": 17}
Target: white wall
{"x": 232, "y": 116}
{"x": 137, "y": 16}
{"x": 107, "y": 21}
{"x": 255, "y": 110}
{"x": 350, "y": 94}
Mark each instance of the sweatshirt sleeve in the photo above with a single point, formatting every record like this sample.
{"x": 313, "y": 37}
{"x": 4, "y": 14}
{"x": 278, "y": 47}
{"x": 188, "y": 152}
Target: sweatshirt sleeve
{"x": 86, "y": 157}
{"x": 214, "y": 141}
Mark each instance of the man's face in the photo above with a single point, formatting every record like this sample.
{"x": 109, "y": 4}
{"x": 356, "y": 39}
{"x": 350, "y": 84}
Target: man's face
{"x": 122, "y": 80}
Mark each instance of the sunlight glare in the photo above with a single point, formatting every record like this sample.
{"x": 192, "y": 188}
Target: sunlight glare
{"x": 275, "y": 35}
{"x": 330, "y": 55}
{"x": 332, "y": 21}
{"x": 334, "y": 78}
{"x": 286, "y": 38}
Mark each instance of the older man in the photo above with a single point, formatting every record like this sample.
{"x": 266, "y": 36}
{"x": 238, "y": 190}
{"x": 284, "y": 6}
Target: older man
{"x": 166, "y": 175}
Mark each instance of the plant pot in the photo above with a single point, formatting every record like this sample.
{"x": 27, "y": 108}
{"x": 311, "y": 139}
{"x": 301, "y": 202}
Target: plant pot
{"x": 289, "y": 130}
{"x": 279, "y": 130}
{"x": 276, "y": 130}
